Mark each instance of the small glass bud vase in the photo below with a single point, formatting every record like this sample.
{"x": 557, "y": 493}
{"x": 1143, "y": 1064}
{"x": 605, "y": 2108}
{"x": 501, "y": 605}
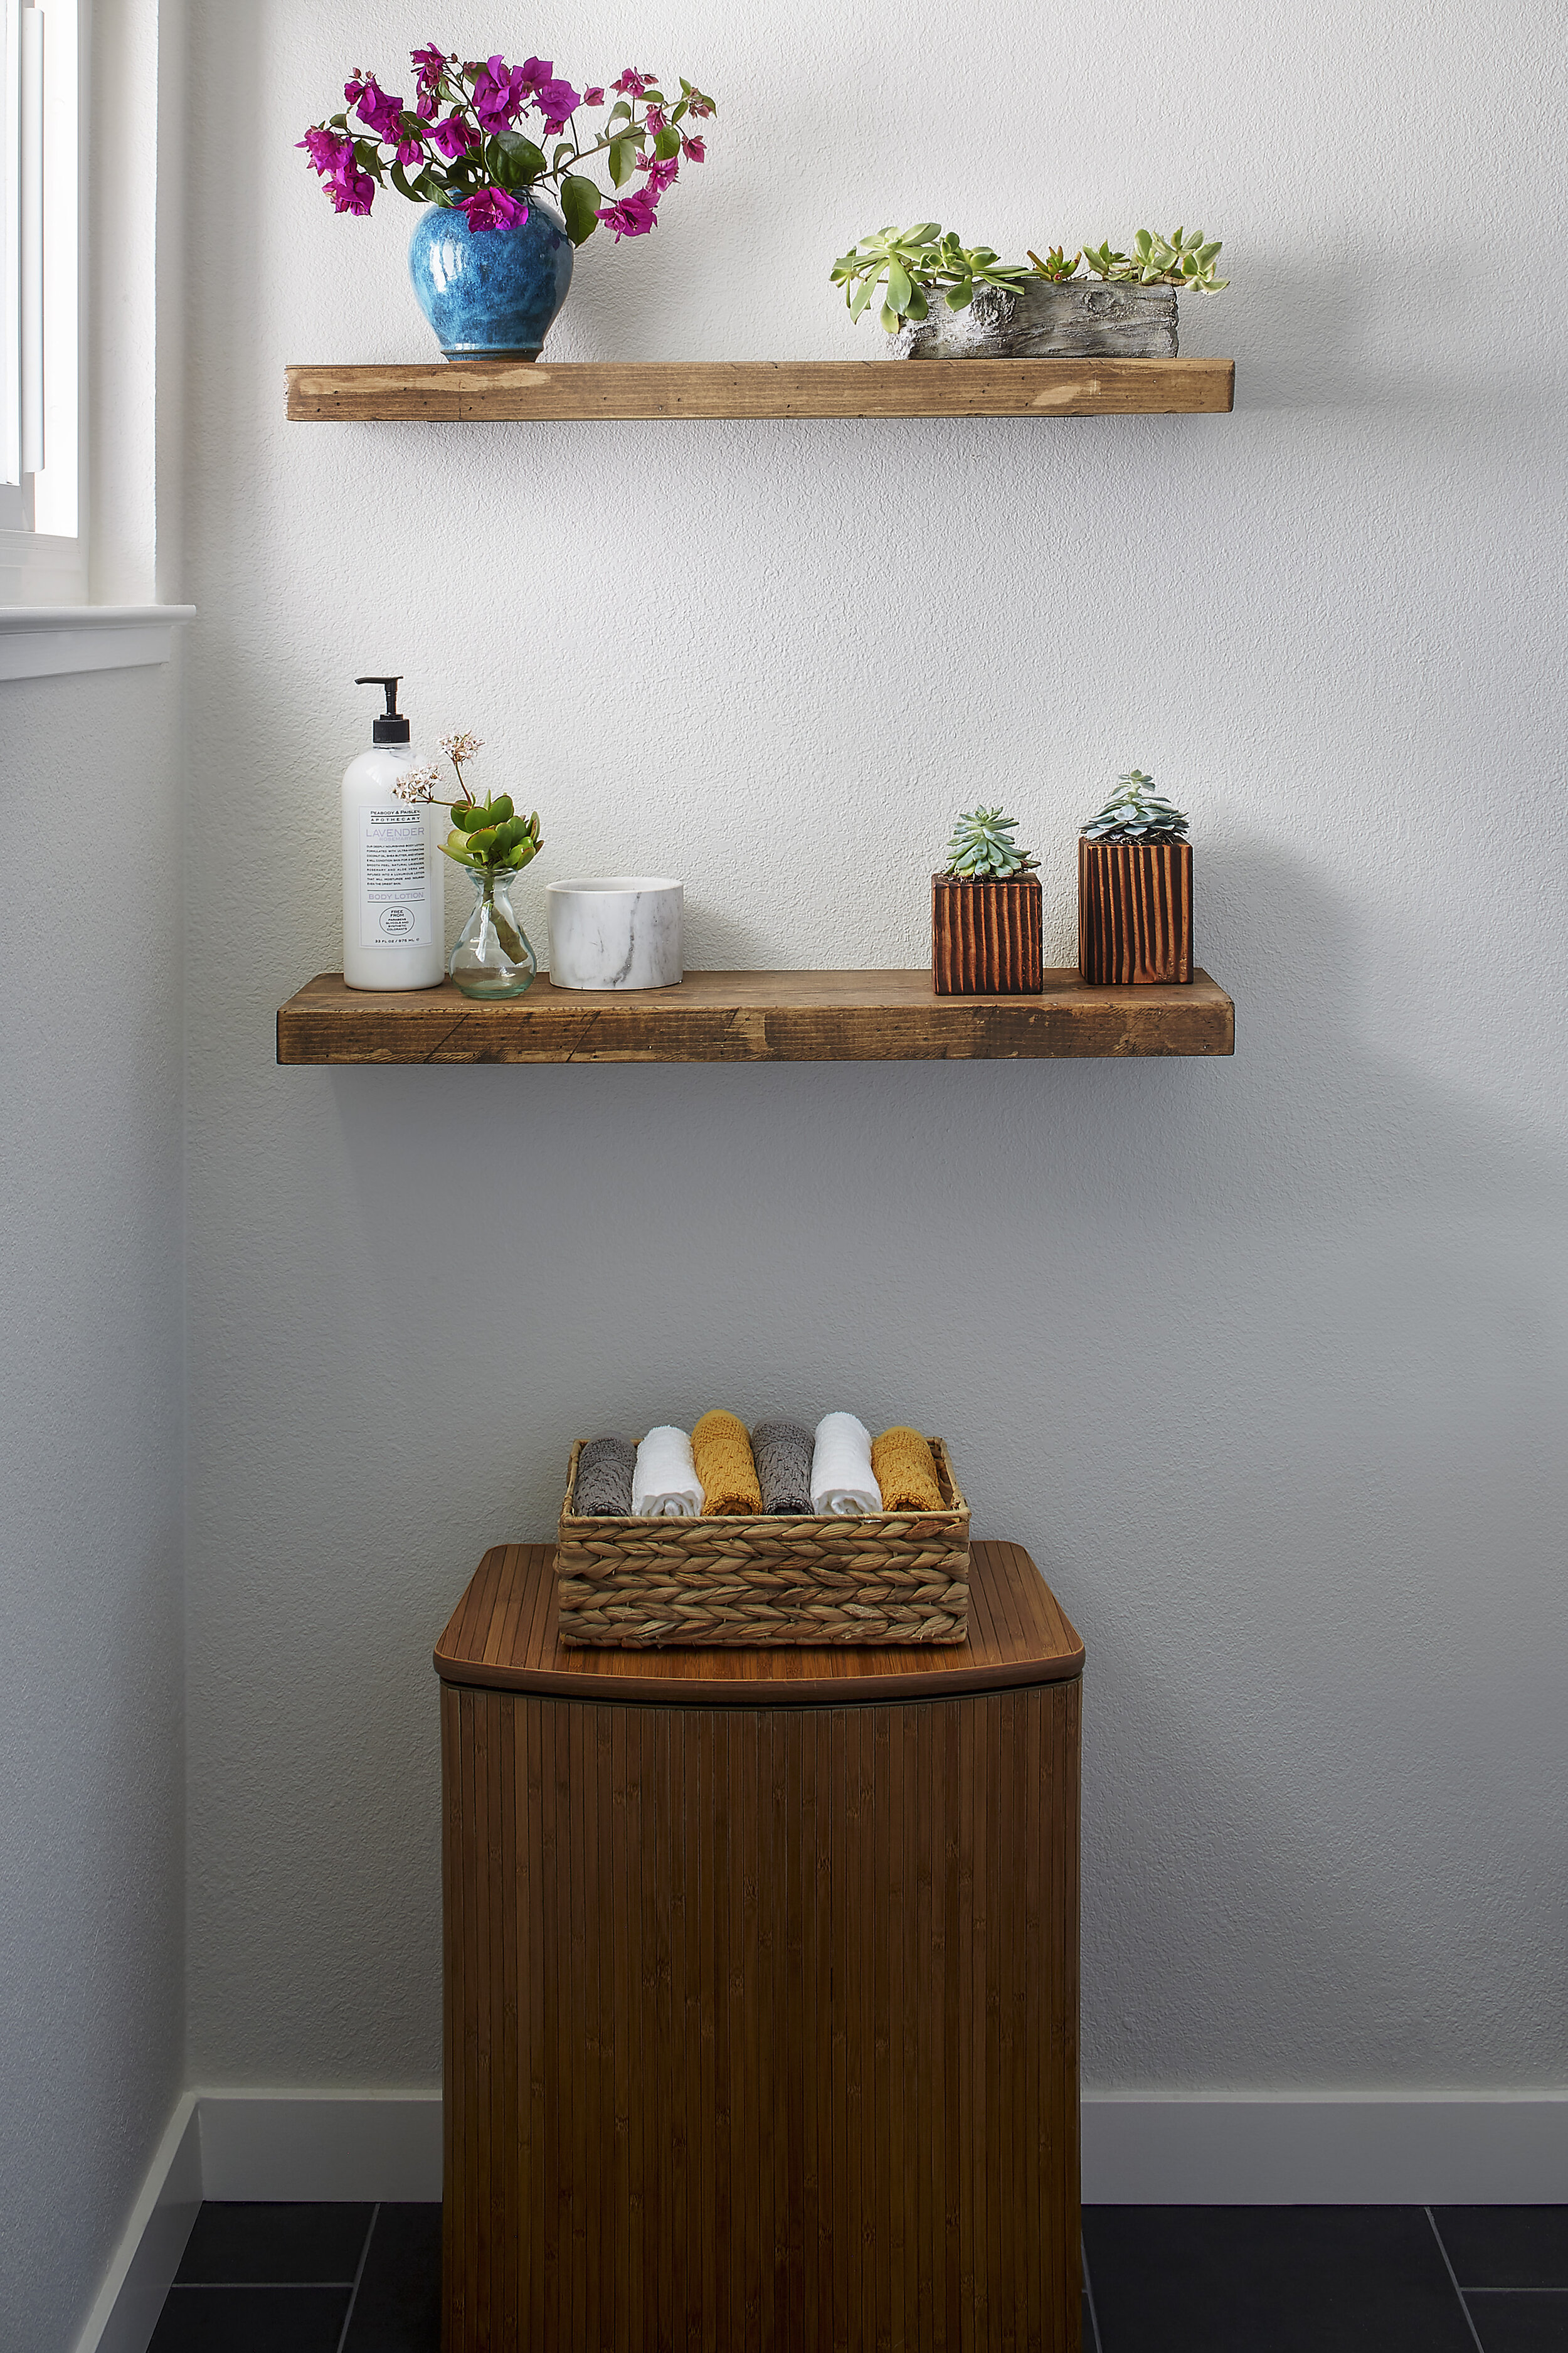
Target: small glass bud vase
{"x": 492, "y": 957}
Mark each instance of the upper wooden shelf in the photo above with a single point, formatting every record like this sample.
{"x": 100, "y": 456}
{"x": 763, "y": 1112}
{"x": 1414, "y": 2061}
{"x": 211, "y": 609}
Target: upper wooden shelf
{"x": 755, "y": 1017}
{"x": 476, "y": 392}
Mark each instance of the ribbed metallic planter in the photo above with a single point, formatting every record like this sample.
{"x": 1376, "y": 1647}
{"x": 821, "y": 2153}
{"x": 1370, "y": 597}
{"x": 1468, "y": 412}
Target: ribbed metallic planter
{"x": 985, "y": 936}
{"x": 1134, "y": 910}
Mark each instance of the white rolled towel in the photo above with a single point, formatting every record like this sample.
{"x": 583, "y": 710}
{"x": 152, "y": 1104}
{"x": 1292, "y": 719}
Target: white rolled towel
{"x": 842, "y": 1480}
{"x": 665, "y": 1485}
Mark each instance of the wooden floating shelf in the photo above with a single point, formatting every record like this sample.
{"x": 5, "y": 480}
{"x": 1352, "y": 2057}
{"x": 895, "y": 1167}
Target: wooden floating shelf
{"x": 756, "y": 1017}
{"x": 478, "y": 392}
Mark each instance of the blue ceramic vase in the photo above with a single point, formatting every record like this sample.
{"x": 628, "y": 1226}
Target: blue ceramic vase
{"x": 491, "y": 294}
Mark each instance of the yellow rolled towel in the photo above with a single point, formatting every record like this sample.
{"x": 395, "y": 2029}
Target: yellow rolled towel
{"x": 905, "y": 1472}
{"x": 722, "y": 1453}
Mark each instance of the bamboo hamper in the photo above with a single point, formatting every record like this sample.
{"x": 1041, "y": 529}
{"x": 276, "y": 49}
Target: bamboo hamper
{"x": 744, "y": 1580}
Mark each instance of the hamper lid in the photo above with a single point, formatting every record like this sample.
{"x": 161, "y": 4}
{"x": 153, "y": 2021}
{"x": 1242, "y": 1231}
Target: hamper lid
{"x": 502, "y": 1636}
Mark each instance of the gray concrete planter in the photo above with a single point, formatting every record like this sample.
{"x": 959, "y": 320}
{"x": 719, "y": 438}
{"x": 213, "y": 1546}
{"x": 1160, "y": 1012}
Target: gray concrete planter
{"x": 1088, "y": 317}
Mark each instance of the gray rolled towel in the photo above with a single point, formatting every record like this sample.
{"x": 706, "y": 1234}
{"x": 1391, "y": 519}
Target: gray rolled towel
{"x": 604, "y": 1470}
{"x": 782, "y": 1452}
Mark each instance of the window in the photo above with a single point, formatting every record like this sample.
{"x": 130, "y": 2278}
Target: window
{"x": 42, "y": 554}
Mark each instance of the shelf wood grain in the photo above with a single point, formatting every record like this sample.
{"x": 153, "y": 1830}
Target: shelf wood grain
{"x": 756, "y": 1017}
{"x": 476, "y": 392}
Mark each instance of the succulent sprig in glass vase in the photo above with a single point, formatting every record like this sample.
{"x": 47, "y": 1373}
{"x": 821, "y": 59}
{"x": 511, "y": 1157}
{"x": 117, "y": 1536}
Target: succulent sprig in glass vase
{"x": 492, "y": 844}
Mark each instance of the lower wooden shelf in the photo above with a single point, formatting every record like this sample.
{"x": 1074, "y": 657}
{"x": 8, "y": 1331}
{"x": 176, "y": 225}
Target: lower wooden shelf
{"x": 478, "y": 392}
{"x": 756, "y": 1017}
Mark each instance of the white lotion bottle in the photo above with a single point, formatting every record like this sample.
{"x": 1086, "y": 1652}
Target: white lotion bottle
{"x": 394, "y": 921}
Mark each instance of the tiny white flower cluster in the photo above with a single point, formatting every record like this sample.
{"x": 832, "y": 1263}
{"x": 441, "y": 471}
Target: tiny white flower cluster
{"x": 459, "y": 748}
{"x": 417, "y": 784}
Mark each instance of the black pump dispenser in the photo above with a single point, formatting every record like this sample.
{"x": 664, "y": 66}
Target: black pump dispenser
{"x": 391, "y": 727}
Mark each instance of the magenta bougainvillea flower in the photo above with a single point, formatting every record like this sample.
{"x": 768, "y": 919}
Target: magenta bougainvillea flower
{"x": 471, "y": 142}
{"x": 380, "y": 112}
{"x": 323, "y": 147}
{"x": 493, "y": 208}
{"x": 499, "y": 95}
{"x": 454, "y": 138}
{"x": 632, "y": 215}
{"x": 558, "y": 102}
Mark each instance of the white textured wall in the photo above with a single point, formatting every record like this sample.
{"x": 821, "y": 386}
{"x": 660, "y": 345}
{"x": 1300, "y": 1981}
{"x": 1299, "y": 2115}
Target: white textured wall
{"x": 91, "y": 1477}
{"x": 1265, "y": 1360}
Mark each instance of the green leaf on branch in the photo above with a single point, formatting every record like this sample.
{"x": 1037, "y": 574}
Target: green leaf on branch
{"x": 667, "y": 143}
{"x": 899, "y": 286}
{"x": 622, "y": 161}
{"x": 580, "y": 205}
{"x": 514, "y": 161}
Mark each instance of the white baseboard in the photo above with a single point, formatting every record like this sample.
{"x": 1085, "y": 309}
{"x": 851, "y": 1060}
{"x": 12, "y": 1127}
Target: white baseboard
{"x": 1249, "y": 2149}
{"x": 125, "y": 2312}
{"x": 320, "y": 2146}
{"x": 1273, "y": 2150}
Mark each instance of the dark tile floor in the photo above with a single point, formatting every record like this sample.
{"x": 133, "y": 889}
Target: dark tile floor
{"x": 1160, "y": 2279}
{"x": 307, "y": 2279}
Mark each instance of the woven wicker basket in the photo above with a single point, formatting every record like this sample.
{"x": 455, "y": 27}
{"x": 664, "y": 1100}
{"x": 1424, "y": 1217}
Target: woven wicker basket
{"x": 744, "y": 1579}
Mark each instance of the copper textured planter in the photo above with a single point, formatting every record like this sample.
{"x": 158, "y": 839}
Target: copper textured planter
{"x": 985, "y": 936}
{"x": 1134, "y": 910}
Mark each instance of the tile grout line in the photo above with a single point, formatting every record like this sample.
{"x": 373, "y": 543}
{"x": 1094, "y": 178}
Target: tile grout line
{"x": 1089, "y": 2293}
{"x": 354, "y": 2291}
{"x": 1453, "y": 2281}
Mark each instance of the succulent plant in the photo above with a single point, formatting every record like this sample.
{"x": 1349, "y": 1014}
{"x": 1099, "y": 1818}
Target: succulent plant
{"x": 1135, "y": 812}
{"x": 488, "y": 834}
{"x": 913, "y": 264}
{"x": 487, "y": 837}
{"x": 983, "y": 849}
{"x": 1155, "y": 261}
{"x": 1055, "y": 265}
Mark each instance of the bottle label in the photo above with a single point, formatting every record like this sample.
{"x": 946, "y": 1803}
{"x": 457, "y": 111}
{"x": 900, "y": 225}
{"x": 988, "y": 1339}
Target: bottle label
{"x": 395, "y": 895}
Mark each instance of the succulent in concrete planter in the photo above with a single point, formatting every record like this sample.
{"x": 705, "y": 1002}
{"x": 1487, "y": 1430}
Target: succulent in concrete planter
{"x": 943, "y": 300}
{"x": 1135, "y": 889}
{"x": 985, "y": 913}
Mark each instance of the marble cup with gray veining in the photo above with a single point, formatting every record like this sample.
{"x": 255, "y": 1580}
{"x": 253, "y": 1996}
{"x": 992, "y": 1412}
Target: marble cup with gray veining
{"x": 620, "y": 932}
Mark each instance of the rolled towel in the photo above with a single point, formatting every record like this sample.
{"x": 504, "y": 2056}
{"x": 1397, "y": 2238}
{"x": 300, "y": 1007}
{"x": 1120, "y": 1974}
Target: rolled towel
{"x": 665, "y": 1485}
{"x": 905, "y": 1472}
{"x": 722, "y": 1453}
{"x": 782, "y": 1451}
{"x": 842, "y": 1480}
{"x": 604, "y": 1489}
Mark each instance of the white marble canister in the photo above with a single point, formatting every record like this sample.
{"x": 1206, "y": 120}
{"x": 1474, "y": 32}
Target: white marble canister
{"x": 620, "y": 932}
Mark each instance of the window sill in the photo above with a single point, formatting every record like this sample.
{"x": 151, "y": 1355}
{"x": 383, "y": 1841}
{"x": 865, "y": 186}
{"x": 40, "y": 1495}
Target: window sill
{"x": 52, "y": 640}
